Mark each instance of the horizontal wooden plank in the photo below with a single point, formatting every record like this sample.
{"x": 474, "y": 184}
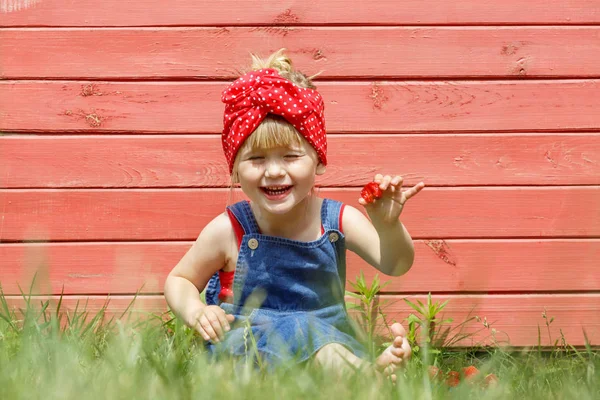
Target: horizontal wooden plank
{"x": 406, "y": 52}
{"x": 173, "y": 161}
{"x": 457, "y": 265}
{"x": 198, "y": 161}
{"x": 290, "y": 12}
{"x": 361, "y": 107}
{"x": 514, "y": 318}
{"x": 173, "y": 214}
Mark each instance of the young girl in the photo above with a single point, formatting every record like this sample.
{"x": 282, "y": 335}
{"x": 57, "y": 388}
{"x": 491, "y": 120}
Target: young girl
{"x": 286, "y": 245}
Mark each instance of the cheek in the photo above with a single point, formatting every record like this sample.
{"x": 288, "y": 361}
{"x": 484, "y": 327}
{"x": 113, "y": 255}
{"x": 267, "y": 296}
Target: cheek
{"x": 249, "y": 177}
{"x": 306, "y": 175}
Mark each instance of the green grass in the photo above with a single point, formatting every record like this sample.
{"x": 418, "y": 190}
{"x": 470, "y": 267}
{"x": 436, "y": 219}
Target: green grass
{"x": 94, "y": 358}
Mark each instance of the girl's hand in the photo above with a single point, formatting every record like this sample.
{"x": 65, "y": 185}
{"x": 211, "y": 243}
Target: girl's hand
{"x": 389, "y": 207}
{"x": 211, "y": 322}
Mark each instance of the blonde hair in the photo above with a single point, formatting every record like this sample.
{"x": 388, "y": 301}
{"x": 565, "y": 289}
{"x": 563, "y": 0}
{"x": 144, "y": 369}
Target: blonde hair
{"x": 274, "y": 131}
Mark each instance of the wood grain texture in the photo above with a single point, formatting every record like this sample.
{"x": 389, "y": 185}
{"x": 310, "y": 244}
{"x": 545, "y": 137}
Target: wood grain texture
{"x": 501, "y": 265}
{"x": 351, "y": 107}
{"x": 294, "y": 12}
{"x": 178, "y": 214}
{"x": 197, "y": 161}
{"x": 514, "y": 318}
{"x": 337, "y": 52}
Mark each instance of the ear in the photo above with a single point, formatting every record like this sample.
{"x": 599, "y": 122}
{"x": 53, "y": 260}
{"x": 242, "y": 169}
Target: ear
{"x": 321, "y": 169}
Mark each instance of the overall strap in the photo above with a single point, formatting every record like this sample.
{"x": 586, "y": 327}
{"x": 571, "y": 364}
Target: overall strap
{"x": 242, "y": 220}
{"x": 331, "y": 214}
{"x": 220, "y": 285}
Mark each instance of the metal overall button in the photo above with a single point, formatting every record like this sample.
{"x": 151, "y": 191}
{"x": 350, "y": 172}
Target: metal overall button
{"x": 333, "y": 237}
{"x": 253, "y": 243}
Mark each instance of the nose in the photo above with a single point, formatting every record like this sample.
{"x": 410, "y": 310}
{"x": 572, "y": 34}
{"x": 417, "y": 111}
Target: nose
{"x": 274, "y": 169}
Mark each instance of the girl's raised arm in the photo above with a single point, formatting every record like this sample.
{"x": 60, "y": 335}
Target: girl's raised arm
{"x": 372, "y": 245}
{"x": 383, "y": 241}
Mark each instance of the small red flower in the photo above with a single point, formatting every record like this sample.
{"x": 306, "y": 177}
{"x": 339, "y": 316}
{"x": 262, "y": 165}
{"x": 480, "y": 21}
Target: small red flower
{"x": 453, "y": 379}
{"x": 370, "y": 192}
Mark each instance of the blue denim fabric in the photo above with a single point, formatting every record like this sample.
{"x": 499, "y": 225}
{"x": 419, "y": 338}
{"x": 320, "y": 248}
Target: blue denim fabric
{"x": 299, "y": 287}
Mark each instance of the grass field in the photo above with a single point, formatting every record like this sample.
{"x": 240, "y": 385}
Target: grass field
{"x": 91, "y": 357}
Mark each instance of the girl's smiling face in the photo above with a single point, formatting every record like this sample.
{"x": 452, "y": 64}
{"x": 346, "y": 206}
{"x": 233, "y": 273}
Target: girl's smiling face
{"x": 277, "y": 179}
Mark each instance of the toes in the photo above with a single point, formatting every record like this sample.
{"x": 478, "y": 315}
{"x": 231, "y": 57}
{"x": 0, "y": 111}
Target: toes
{"x": 397, "y": 329}
{"x": 398, "y": 354}
{"x": 389, "y": 370}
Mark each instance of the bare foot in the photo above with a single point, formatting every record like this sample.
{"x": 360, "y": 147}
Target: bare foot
{"x": 395, "y": 355}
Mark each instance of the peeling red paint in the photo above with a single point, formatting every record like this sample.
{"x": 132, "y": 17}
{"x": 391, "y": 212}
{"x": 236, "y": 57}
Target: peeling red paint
{"x": 222, "y": 31}
{"x": 94, "y": 90}
{"x": 286, "y": 17}
{"x": 442, "y": 250}
{"x": 378, "y": 96}
{"x": 276, "y": 30}
{"x": 509, "y": 49}
{"x": 551, "y": 160}
{"x": 90, "y": 90}
{"x": 92, "y": 119}
{"x": 316, "y": 54}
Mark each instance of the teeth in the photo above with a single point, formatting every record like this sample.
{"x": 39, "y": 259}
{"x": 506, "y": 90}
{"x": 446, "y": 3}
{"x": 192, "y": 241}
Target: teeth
{"x": 277, "y": 189}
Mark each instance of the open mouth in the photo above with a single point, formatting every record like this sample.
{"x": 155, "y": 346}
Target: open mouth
{"x": 276, "y": 191}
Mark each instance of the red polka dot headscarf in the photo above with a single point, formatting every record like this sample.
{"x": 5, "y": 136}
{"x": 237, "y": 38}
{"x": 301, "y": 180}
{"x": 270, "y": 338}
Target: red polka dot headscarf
{"x": 253, "y": 96}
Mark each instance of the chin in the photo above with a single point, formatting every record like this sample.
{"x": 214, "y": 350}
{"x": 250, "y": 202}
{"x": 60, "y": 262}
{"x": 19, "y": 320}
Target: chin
{"x": 280, "y": 207}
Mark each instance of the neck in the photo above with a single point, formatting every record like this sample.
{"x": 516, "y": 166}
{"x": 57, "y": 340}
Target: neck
{"x": 296, "y": 224}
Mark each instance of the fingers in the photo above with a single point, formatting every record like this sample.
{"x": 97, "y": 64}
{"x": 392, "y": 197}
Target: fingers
{"x": 413, "y": 190}
{"x": 385, "y": 182}
{"x": 397, "y": 181}
{"x": 393, "y": 186}
{"x": 213, "y": 324}
{"x": 205, "y": 329}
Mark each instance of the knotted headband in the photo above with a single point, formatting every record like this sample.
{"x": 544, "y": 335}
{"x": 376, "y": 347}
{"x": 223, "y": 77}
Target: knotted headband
{"x": 250, "y": 98}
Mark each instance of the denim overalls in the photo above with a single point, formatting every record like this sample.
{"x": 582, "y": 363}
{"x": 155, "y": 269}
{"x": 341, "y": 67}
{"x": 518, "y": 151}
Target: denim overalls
{"x": 300, "y": 289}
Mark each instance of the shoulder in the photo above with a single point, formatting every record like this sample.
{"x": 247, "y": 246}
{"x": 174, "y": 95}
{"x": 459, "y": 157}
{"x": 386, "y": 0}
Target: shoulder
{"x": 348, "y": 215}
{"x": 218, "y": 231}
{"x": 209, "y": 253}
{"x": 352, "y": 216}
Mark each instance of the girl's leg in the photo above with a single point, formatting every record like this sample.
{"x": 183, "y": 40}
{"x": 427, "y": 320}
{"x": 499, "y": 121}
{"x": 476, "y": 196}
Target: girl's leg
{"x": 335, "y": 357}
{"x": 338, "y": 359}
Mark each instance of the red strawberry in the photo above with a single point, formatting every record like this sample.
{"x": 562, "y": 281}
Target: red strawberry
{"x": 470, "y": 372}
{"x": 491, "y": 380}
{"x": 453, "y": 379}
{"x": 370, "y": 192}
{"x": 434, "y": 373}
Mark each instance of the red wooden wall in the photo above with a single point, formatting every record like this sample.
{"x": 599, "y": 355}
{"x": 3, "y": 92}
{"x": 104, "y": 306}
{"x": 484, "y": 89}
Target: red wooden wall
{"x": 110, "y": 160}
